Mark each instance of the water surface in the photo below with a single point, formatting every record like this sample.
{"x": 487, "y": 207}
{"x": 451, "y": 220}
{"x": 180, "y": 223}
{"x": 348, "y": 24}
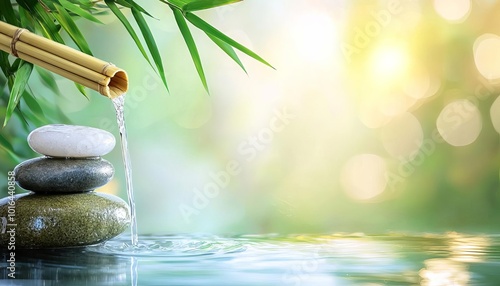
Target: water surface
{"x": 333, "y": 259}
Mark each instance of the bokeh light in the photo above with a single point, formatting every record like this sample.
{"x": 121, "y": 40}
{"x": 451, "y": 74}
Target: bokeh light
{"x": 364, "y": 176}
{"x": 459, "y": 123}
{"x": 370, "y": 113}
{"x": 421, "y": 85}
{"x": 453, "y": 10}
{"x": 495, "y": 114}
{"x": 486, "y": 56}
{"x": 403, "y": 136}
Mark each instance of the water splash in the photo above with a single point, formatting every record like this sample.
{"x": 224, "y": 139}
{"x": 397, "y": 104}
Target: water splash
{"x": 119, "y": 104}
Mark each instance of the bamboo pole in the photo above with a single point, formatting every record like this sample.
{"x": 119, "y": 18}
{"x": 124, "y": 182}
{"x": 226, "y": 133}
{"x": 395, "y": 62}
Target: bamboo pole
{"x": 86, "y": 70}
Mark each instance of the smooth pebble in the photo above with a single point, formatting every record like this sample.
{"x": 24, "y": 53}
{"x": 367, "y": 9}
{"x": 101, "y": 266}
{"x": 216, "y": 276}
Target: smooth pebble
{"x": 60, "y": 140}
{"x": 60, "y": 175}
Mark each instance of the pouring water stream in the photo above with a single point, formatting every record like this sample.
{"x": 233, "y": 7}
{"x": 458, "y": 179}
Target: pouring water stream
{"x": 119, "y": 104}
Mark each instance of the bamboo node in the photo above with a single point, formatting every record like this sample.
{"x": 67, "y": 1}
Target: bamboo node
{"x": 16, "y": 37}
{"x": 101, "y": 89}
{"x": 105, "y": 67}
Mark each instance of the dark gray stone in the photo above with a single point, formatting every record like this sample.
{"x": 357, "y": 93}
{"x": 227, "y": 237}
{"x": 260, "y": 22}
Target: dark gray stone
{"x": 61, "y": 220}
{"x": 59, "y": 175}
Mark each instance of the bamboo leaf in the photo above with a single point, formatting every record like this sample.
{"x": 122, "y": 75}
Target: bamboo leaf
{"x": 86, "y": 3}
{"x": 123, "y": 3}
{"x": 150, "y": 42}
{"x": 5, "y": 64}
{"x": 32, "y": 104}
{"x": 82, "y": 90}
{"x": 207, "y": 28}
{"x": 7, "y": 12}
{"x": 195, "y": 5}
{"x": 188, "y": 38}
{"x": 79, "y": 11}
{"x": 61, "y": 117}
{"x": 3, "y": 84}
{"x": 26, "y": 19}
{"x": 48, "y": 80}
{"x": 206, "y": 4}
{"x": 228, "y": 49}
{"x": 70, "y": 27}
{"x": 27, "y": 4}
{"x": 5, "y": 145}
{"x": 129, "y": 28}
{"x": 24, "y": 121}
{"x": 179, "y": 4}
{"x": 28, "y": 118}
{"x": 18, "y": 87}
{"x": 15, "y": 65}
{"x": 46, "y": 23}
{"x": 132, "y": 4}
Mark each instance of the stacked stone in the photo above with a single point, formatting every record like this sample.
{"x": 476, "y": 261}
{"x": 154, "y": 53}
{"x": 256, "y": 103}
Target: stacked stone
{"x": 62, "y": 209}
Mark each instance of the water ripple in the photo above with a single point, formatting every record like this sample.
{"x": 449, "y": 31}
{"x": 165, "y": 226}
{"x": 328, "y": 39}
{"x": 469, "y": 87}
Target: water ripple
{"x": 169, "y": 246}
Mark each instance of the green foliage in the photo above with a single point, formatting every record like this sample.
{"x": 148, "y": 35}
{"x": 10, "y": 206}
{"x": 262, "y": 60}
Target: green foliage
{"x": 196, "y": 5}
{"x": 202, "y": 25}
{"x": 18, "y": 86}
{"x": 181, "y": 22}
{"x": 150, "y": 42}
{"x": 51, "y": 17}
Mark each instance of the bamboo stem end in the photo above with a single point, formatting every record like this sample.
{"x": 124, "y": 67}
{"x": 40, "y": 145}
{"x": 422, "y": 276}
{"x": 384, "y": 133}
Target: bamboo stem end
{"x": 118, "y": 85}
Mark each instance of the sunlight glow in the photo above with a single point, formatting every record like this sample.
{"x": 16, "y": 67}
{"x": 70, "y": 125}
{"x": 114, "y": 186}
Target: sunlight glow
{"x": 389, "y": 63}
{"x": 315, "y": 37}
{"x": 364, "y": 176}
{"x": 453, "y": 10}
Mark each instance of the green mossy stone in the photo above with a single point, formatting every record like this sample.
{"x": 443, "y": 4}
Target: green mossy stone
{"x": 63, "y": 220}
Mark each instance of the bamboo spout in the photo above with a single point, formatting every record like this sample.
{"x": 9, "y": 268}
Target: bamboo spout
{"x": 79, "y": 67}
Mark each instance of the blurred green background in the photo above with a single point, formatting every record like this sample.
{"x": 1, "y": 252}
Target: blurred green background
{"x": 380, "y": 116}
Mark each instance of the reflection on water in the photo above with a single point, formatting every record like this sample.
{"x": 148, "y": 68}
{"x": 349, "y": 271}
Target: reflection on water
{"x": 439, "y": 271}
{"x": 336, "y": 259}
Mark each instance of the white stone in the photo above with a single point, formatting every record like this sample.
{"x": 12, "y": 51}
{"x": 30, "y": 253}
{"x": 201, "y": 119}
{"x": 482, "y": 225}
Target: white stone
{"x": 60, "y": 140}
